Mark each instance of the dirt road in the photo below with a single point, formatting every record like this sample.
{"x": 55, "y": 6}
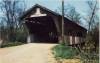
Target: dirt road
{"x": 27, "y": 53}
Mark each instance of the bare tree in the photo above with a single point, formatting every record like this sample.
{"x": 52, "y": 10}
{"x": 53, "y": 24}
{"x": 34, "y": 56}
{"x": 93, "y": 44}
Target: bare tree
{"x": 93, "y": 21}
{"x": 92, "y": 38}
{"x": 11, "y": 10}
{"x": 92, "y": 17}
{"x": 71, "y": 13}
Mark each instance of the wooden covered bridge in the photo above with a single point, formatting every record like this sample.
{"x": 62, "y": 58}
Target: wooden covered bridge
{"x": 44, "y": 25}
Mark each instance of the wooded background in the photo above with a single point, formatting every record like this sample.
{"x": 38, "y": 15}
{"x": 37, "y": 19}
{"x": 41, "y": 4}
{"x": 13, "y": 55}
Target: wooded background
{"x": 12, "y": 29}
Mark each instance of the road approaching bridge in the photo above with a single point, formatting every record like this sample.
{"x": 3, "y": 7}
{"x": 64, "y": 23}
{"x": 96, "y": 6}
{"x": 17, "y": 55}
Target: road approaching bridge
{"x": 27, "y": 53}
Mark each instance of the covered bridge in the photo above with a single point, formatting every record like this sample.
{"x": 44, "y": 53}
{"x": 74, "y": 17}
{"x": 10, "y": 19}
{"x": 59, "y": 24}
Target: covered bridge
{"x": 44, "y": 25}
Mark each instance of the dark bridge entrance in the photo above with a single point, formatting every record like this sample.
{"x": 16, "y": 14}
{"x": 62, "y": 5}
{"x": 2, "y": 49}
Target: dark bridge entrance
{"x": 42, "y": 29}
{"x": 44, "y": 25}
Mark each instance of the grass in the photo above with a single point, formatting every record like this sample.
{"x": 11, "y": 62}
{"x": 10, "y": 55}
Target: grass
{"x": 64, "y": 52}
{"x": 67, "y": 52}
{"x": 9, "y": 44}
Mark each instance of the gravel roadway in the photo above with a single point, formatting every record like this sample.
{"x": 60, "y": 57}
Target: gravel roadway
{"x": 27, "y": 53}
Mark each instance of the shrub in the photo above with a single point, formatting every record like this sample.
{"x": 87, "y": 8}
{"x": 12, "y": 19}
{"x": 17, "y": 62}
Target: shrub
{"x": 21, "y": 35}
{"x": 64, "y": 52}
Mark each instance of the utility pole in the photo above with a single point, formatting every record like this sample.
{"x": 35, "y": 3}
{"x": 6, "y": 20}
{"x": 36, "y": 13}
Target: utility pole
{"x": 62, "y": 38}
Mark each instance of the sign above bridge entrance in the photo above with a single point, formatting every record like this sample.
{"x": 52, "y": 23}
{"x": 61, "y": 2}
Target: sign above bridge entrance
{"x": 38, "y": 13}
